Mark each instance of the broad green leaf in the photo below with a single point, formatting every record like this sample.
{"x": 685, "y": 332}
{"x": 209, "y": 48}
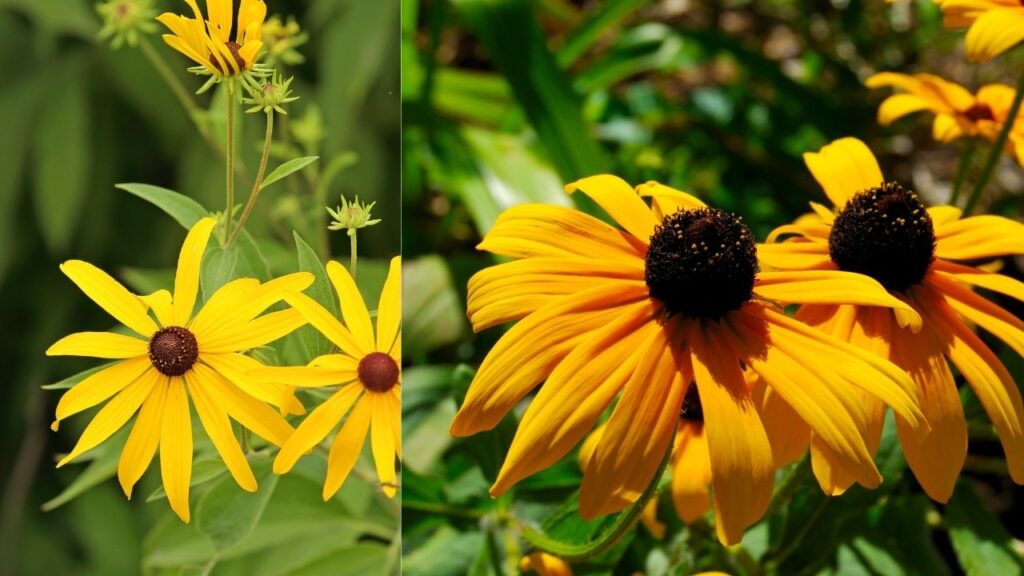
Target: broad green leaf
{"x": 979, "y": 539}
{"x": 218, "y": 269}
{"x": 62, "y": 153}
{"x": 183, "y": 209}
{"x": 446, "y": 553}
{"x": 431, "y": 314}
{"x": 366, "y": 558}
{"x": 75, "y": 379}
{"x": 286, "y": 169}
{"x": 203, "y": 471}
{"x": 321, "y": 291}
{"x": 227, "y": 514}
{"x": 58, "y": 17}
{"x": 103, "y": 467}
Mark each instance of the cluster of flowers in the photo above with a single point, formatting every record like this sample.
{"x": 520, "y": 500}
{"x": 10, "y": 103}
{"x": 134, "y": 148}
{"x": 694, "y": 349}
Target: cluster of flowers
{"x": 673, "y": 323}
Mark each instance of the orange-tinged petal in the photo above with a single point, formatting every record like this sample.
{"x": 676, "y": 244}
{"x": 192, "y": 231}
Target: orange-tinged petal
{"x": 788, "y": 434}
{"x": 347, "y": 446}
{"x": 316, "y": 426}
{"x": 176, "y": 449}
{"x": 691, "y": 473}
{"x": 214, "y": 419}
{"x": 994, "y": 32}
{"x": 544, "y": 230}
{"x": 795, "y": 256}
{"x": 186, "y": 280}
{"x": 114, "y": 298}
{"x": 544, "y": 565}
{"x": 844, "y": 168}
{"x": 979, "y": 237}
{"x": 620, "y": 201}
{"x": 141, "y": 446}
{"x": 99, "y": 386}
{"x": 99, "y": 345}
{"x": 1001, "y": 323}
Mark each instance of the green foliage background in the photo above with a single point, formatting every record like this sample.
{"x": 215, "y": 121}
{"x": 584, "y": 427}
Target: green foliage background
{"x": 506, "y": 100}
{"x": 78, "y": 118}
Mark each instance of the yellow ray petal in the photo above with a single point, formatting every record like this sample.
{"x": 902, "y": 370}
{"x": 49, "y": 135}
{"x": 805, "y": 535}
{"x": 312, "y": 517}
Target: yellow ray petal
{"x": 186, "y": 280}
{"x": 353, "y": 308}
{"x": 160, "y": 303}
{"x": 787, "y": 433}
{"x": 236, "y": 368}
{"x": 814, "y": 231}
{"x": 640, "y": 429}
{"x": 620, "y": 201}
{"x": 575, "y": 394}
{"x": 251, "y": 14}
{"x": 253, "y": 334}
{"x": 979, "y": 237}
{"x": 242, "y": 301}
{"x": 317, "y": 425}
{"x": 899, "y": 105}
{"x": 327, "y": 324}
{"x": 98, "y": 387}
{"x": 977, "y": 277}
{"x": 1001, "y": 323}
{"x": 99, "y": 345}
{"x": 220, "y": 12}
{"x": 389, "y": 308}
{"x": 220, "y": 308}
{"x": 141, "y": 446}
{"x": 942, "y": 215}
{"x": 795, "y": 256}
{"x": 994, "y": 32}
{"x": 245, "y": 409}
{"x": 691, "y": 473}
{"x": 347, "y": 446}
{"x": 544, "y": 230}
{"x": 214, "y": 419}
{"x": 740, "y": 454}
{"x": 303, "y": 376}
{"x": 114, "y": 298}
{"x": 844, "y": 168}
{"x": 113, "y": 416}
{"x": 382, "y": 442}
{"x": 176, "y": 449}
{"x": 666, "y": 201}
{"x": 947, "y": 128}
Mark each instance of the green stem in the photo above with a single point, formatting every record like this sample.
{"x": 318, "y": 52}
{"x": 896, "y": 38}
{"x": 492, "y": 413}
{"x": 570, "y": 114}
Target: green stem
{"x": 788, "y": 487}
{"x": 352, "y": 257}
{"x": 258, "y": 183}
{"x": 997, "y": 149}
{"x": 606, "y": 541}
{"x": 179, "y": 91}
{"x": 230, "y": 169}
{"x": 961, "y": 172}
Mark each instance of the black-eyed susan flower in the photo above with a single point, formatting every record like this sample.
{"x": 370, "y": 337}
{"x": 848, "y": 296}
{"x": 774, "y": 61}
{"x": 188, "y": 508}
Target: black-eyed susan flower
{"x": 209, "y": 43}
{"x": 367, "y": 374}
{"x": 993, "y": 26}
{"x": 174, "y": 355}
{"x": 883, "y": 230}
{"x": 673, "y": 296}
{"x": 958, "y": 112}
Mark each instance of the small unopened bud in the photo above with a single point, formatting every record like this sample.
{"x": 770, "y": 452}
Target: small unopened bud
{"x": 351, "y": 216}
{"x": 271, "y": 95}
{"x": 123, "y": 20}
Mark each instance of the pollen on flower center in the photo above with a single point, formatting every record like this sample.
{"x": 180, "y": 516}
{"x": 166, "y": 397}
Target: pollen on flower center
{"x": 232, "y": 47}
{"x": 701, "y": 263}
{"x": 885, "y": 233}
{"x": 692, "y": 411}
{"x": 378, "y": 372}
{"x": 173, "y": 350}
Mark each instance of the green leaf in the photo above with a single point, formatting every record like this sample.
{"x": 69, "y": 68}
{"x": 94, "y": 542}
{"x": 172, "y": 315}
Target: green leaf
{"x": 364, "y": 558}
{"x": 103, "y": 467}
{"x": 62, "y": 153}
{"x": 287, "y": 169}
{"x": 183, "y": 209}
{"x": 321, "y": 291}
{"x": 432, "y": 314}
{"x": 980, "y": 541}
{"x": 599, "y": 22}
{"x": 445, "y": 553}
{"x": 218, "y": 268}
{"x": 75, "y": 379}
{"x": 203, "y": 471}
{"x": 227, "y": 514}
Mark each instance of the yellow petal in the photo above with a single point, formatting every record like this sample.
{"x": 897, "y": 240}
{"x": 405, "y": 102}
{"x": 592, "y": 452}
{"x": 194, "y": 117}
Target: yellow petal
{"x": 795, "y": 256}
{"x": 994, "y": 32}
{"x": 620, "y": 201}
{"x": 237, "y": 368}
{"x": 691, "y": 473}
{"x": 141, "y": 446}
{"x": 215, "y": 421}
{"x": 251, "y": 14}
{"x": 327, "y": 324}
{"x": 979, "y": 237}
{"x": 160, "y": 303}
{"x": 389, "y": 308}
{"x": 1001, "y": 323}
{"x": 99, "y": 386}
{"x": 353, "y": 308}
{"x": 788, "y": 434}
{"x": 303, "y": 376}
{"x": 176, "y": 449}
{"x": 253, "y": 334}
{"x": 114, "y": 298}
{"x": 317, "y": 425}
{"x": 382, "y": 441}
{"x": 899, "y": 105}
{"x": 844, "y": 168}
{"x": 666, "y": 201}
{"x": 942, "y": 215}
{"x": 99, "y": 345}
{"x": 186, "y": 280}
{"x": 113, "y": 416}
{"x": 947, "y": 128}
{"x": 221, "y": 308}
{"x": 220, "y": 18}
{"x": 347, "y": 446}
{"x": 245, "y": 409}
{"x": 740, "y": 454}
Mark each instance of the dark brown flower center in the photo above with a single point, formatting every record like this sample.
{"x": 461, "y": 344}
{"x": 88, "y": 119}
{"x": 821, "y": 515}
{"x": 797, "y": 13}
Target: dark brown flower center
{"x": 701, "y": 263}
{"x": 979, "y": 111}
{"x": 692, "y": 411}
{"x": 885, "y": 233}
{"x": 173, "y": 350}
{"x": 378, "y": 372}
{"x": 233, "y": 47}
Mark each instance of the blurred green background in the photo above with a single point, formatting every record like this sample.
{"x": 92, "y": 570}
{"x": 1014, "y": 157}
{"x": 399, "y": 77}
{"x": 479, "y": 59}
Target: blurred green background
{"x": 504, "y": 101}
{"x": 77, "y": 118}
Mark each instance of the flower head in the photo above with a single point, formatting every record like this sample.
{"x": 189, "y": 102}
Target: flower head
{"x": 366, "y": 373}
{"x": 994, "y": 26}
{"x": 174, "y": 355}
{"x": 123, "y": 20}
{"x": 282, "y": 40}
{"x": 351, "y": 216}
{"x": 210, "y": 44}
{"x": 606, "y": 312}
{"x": 271, "y": 95}
{"x": 882, "y": 229}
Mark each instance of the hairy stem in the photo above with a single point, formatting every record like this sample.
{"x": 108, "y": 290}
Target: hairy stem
{"x": 258, "y": 183}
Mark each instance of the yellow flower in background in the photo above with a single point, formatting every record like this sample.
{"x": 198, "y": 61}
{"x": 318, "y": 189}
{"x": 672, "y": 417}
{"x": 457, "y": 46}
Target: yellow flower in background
{"x": 209, "y": 43}
{"x": 958, "y": 113}
{"x": 544, "y": 564}
{"x": 994, "y": 26}
{"x": 674, "y": 296}
{"x": 883, "y": 230}
{"x": 368, "y": 375}
{"x": 173, "y": 356}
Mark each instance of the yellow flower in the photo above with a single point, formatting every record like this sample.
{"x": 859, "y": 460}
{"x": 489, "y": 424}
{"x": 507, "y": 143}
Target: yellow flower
{"x": 368, "y": 375}
{"x": 994, "y": 26}
{"x": 179, "y": 356}
{"x": 880, "y": 229}
{"x": 544, "y": 564}
{"x": 958, "y": 113}
{"x": 672, "y": 297}
{"x": 208, "y": 42}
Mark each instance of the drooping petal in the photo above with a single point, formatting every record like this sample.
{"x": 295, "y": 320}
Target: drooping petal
{"x": 141, "y": 446}
{"x": 114, "y": 298}
{"x": 316, "y": 426}
{"x": 176, "y": 449}
{"x": 215, "y": 421}
{"x": 98, "y": 387}
{"x": 788, "y": 434}
{"x": 844, "y": 168}
{"x": 691, "y": 473}
{"x": 382, "y": 441}
{"x": 353, "y": 308}
{"x": 620, "y": 201}
{"x": 99, "y": 345}
{"x": 186, "y": 280}
{"x": 346, "y": 447}
{"x": 977, "y": 277}
{"x": 537, "y": 230}
{"x": 740, "y": 454}
{"x": 1001, "y": 323}
{"x": 389, "y": 308}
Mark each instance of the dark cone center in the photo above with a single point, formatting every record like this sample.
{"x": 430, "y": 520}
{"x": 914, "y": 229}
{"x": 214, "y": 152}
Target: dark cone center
{"x": 378, "y": 372}
{"x": 885, "y": 233}
{"x": 979, "y": 112}
{"x": 233, "y": 47}
{"x": 701, "y": 263}
{"x": 173, "y": 350}
{"x": 692, "y": 411}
